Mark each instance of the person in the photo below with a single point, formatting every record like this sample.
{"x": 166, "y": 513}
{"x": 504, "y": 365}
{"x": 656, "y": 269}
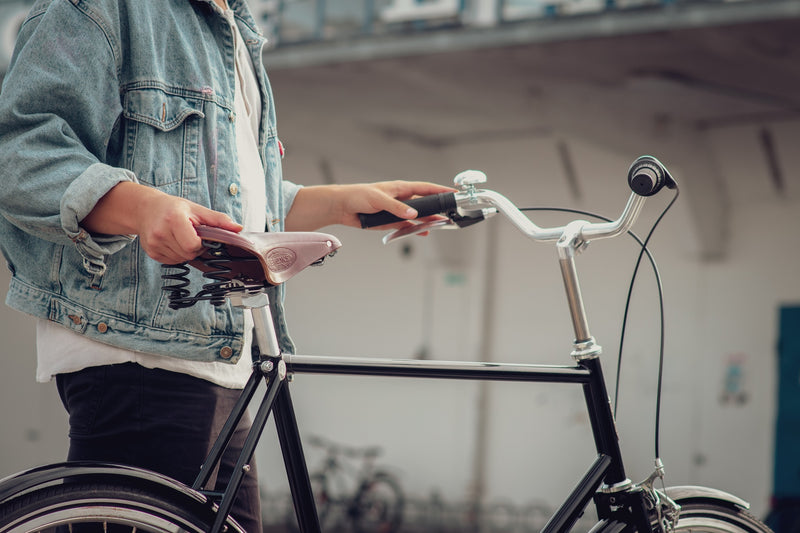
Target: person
{"x": 124, "y": 124}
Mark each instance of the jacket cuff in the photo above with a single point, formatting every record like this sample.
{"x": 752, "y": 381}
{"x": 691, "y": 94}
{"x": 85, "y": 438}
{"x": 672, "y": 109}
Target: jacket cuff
{"x": 289, "y": 192}
{"x": 78, "y": 201}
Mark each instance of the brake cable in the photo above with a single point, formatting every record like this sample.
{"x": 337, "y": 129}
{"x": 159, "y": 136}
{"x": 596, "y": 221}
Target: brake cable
{"x": 644, "y": 250}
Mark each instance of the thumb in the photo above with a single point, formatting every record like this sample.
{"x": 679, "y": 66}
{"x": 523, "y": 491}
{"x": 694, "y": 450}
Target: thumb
{"x": 216, "y": 219}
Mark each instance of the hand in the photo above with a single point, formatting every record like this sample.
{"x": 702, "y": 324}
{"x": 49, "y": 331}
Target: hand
{"x": 167, "y": 228}
{"x": 165, "y": 224}
{"x": 316, "y": 207}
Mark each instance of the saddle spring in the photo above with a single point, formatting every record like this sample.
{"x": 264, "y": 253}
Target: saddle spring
{"x": 178, "y": 293}
{"x": 215, "y": 292}
{"x": 221, "y": 284}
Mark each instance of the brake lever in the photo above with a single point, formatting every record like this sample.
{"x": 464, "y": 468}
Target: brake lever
{"x": 416, "y": 229}
{"x": 472, "y": 217}
{"x": 454, "y": 221}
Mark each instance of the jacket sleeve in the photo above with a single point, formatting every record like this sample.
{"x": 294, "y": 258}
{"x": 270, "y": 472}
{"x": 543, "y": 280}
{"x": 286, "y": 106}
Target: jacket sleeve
{"x": 59, "y": 107}
{"x": 289, "y": 192}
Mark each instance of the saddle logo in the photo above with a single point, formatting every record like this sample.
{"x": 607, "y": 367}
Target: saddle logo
{"x": 280, "y": 259}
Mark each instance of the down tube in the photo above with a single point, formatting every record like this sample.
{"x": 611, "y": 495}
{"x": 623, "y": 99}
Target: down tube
{"x": 566, "y": 516}
{"x": 601, "y": 415}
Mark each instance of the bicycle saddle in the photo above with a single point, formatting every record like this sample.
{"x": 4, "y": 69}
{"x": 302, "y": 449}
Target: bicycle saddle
{"x": 273, "y": 257}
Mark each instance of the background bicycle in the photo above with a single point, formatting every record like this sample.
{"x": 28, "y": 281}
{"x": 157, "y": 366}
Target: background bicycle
{"x": 352, "y": 494}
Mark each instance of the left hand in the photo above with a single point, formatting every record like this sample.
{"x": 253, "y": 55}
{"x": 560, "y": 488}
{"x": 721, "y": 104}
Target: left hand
{"x": 319, "y": 206}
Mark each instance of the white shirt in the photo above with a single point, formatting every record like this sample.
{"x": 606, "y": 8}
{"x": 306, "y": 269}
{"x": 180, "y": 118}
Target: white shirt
{"x": 60, "y": 350}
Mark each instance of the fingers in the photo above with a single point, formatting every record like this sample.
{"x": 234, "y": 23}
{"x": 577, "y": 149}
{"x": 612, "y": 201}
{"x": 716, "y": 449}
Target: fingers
{"x": 171, "y": 238}
{"x": 395, "y": 192}
{"x": 171, "y": 244}
{"x": 390, "y": 196}
{"x": 208, "y": 217}
{"x": 398, "y": 208}
{"x": 403, "y": 190}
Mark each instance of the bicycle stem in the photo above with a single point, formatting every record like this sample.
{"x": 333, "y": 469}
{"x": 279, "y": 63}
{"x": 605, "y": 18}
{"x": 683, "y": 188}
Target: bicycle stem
{"x": 570, "y": 241}
{"x": 568, "y": 246}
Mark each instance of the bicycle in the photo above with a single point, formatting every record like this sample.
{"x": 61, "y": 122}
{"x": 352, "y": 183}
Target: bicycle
{"x": 240, "y": 266}
{"x": 361, "y": 499}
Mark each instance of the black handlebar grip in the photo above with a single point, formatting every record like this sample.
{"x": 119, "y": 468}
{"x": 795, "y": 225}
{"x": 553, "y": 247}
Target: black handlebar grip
{"x": 426, "y": 205}
{"x": 647, "y": 176}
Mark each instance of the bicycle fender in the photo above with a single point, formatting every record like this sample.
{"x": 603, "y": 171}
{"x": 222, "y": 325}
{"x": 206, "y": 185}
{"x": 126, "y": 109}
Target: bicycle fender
{"x": 679, "y": 494}
{"x": 685, "y": 493}
{"x": 43, "y": 476}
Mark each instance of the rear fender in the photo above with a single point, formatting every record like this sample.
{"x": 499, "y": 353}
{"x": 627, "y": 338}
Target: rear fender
{"x": 40, "y": 477}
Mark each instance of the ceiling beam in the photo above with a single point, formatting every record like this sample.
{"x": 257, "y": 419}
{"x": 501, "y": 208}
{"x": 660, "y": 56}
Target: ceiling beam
{"x": 661, "y": 17}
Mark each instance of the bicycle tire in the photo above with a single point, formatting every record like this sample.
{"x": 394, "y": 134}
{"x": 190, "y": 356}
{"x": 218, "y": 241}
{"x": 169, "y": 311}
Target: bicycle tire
{"x": 716, "y": 517}
{"x": 116, "y": 506}
{"x": 378, "y": 506}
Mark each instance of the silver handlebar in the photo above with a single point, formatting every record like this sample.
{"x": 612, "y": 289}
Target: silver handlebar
{"x": 481, "y": 199}
{"x": 471, "y": 201}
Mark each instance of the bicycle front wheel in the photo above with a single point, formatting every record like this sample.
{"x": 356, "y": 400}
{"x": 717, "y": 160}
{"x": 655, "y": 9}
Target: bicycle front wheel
{"x": 105, "y": 506}
{"x": 713, "y": 517}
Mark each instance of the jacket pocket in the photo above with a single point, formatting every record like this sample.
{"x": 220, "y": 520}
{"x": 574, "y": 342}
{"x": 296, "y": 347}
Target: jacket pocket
{"x": 162, "y": 136}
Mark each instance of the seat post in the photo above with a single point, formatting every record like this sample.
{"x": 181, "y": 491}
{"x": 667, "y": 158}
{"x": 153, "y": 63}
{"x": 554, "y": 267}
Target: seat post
{"x": 263, "y": 328}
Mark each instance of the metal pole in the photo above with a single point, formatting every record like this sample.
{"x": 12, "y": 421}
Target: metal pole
{"x": 488, "y": 306}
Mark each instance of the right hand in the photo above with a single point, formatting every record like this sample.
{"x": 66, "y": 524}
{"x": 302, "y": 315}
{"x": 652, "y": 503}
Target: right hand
{"x": 165, "y": 224}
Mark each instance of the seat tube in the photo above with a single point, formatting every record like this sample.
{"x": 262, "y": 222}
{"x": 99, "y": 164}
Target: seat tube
{"x": 263, "y": 328}
{"x": 283, "y": 411}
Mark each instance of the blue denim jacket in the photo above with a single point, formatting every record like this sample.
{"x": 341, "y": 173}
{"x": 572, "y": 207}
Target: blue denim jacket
{"x": 105, "y": 91}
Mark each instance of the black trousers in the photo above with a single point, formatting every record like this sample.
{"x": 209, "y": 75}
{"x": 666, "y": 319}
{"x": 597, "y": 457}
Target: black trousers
{"x": 158, "y": 420}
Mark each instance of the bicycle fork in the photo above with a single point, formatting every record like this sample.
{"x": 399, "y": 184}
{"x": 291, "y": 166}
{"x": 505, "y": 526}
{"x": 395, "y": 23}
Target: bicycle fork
{"x": 271, "y": 367}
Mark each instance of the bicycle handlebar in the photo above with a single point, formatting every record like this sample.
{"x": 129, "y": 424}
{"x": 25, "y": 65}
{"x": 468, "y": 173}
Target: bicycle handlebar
{"x": 646, "y": 177}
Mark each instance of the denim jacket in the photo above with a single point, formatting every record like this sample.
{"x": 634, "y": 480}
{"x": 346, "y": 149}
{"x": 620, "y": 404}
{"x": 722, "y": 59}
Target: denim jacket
{"x": 105, "y": 91}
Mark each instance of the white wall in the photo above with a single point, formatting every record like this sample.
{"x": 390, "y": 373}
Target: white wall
{"x": 371, "y": 300}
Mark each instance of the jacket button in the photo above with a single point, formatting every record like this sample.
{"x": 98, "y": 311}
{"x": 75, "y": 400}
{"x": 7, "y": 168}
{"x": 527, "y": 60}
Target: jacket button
{"x": 102, "y": 327}
{"x": 226, "y": 352}
{"x": 233, "y": 189}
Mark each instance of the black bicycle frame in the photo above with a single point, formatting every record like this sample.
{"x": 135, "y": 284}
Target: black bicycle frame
{"x": 606, "y": 469}
{"x": 619, "y": 503}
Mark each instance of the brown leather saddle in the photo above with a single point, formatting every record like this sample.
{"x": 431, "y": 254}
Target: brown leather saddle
{"x": 271, "y": 257}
